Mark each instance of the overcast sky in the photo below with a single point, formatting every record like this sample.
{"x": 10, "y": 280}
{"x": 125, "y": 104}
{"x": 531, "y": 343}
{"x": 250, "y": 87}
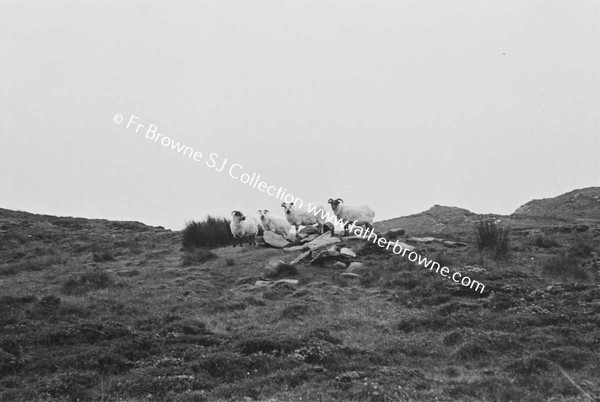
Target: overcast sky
{"x": 398, "y": 104}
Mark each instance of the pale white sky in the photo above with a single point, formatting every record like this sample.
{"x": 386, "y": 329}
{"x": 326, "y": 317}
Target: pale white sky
{"x": 398, "y": 104}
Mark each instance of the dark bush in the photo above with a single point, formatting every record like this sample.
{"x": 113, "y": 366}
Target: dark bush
{"x": 211, "y": 232}
{"x": 491, "y": 237}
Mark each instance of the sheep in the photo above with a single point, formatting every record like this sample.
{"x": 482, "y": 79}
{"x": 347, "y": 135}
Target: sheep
{"x": 297, "y": 217}
{"x": 357, "y": 215}
{"x": 274, "y": 223}
{"x": 242, "y": 227}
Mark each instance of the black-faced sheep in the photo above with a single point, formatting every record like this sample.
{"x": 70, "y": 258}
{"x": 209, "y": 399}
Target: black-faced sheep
{"x": 356, "y": 215}
{"x": 243, "y": 227}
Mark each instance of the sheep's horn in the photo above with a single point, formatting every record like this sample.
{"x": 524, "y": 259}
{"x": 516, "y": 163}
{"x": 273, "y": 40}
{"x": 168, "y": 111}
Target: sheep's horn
{"x": 233, "y": 213}
{"x": 283, "y": 204}
{"x": 260, "y": 211}
{"x": 266, "y": 211}
{"x": 330, "y": 201}
{"x": 339, "y": 199}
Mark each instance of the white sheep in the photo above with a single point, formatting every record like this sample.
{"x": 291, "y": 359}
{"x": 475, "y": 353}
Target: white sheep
{"x": 274, "y": 223}
{"x": 296, "y": 216}
{"x": 242, "y": 227}
{"x": 355, "y": 215}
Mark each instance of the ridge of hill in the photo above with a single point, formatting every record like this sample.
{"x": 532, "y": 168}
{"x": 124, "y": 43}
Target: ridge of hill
{"x": 581, "y": 203}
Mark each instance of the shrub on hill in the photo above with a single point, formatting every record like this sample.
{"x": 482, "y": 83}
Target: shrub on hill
{"x": 209, "y": 233}
{"x": 492, "y": 238}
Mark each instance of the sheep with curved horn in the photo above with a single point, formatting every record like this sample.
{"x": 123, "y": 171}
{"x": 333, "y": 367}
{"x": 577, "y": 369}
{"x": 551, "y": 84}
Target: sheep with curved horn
{"x": 357, "y": 215}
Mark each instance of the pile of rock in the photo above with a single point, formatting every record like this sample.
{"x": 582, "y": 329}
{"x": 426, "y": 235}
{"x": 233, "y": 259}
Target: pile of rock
{"x": 322, "y": 249}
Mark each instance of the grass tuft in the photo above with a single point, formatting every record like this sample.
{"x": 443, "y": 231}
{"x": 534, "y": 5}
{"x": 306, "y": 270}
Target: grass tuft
{"x": 544, "y": 242}
{"x": 198, "y": 256}
{"x": 103, "y": 256}
{"x": 87, "y": 282}
{"x": 493, "y": 238}
{"x": 564, "y": 265}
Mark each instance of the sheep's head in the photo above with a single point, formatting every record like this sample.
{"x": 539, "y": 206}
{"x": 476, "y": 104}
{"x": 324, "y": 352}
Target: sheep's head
{"x": 287, "y": 207}
{"x": 263, "y": 214}
{"x": 238, "y": 216}
{"x": 335, "y": 203}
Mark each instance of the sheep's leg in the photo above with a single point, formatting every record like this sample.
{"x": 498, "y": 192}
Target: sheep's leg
{"x": 252, "y": 240}
{"x": 234, "y": 240}
{"x": 346, "y": 228}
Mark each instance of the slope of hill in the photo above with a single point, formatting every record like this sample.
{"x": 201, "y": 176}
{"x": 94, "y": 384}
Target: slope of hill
{"x": 102, "y": 310}
{"x": 437, "y": 220}
{"x": 583, "y": 203}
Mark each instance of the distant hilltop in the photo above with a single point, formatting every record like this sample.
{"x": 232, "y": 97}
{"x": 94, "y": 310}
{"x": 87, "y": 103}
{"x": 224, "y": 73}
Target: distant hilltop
{"x": 575, "y": 205}
{"x": 583, "y": 203}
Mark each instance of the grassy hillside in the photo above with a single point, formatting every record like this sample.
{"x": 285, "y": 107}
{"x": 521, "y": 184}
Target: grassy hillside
{"x": 583, "y": 203}
{"x": 101, "y": 310}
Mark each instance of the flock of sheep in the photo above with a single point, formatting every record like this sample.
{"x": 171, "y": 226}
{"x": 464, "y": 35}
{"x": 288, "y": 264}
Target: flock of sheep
{"x": 248, "y": 227}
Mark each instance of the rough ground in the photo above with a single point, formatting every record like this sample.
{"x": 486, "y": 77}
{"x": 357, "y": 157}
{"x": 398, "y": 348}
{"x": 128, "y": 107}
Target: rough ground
{"x": 101, "y": 310}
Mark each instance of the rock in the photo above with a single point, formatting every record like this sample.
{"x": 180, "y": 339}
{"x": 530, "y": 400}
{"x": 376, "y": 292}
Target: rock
{"x": 290, "y": 281}
{"x": 354, "y": 267}
{"x": 347, "y": 253}
{"x": 454, "y": 244}
{"x": 350, "y": 275}
{"x": 403, "y": 245}
{"x": 324, "y": 255}
{"x": 306, "y": 231}
{"x": 244, "y": 280}
{"x": 291, "y": 238}
{"x": 339, "y": 265}
{"x": 277, "y": 268}
{"x": 581, "y": 228}
{"x": 283, "y": 282}
{"x": 300, "y": 257}
{"x": 473, "y": 270}
{"x": 422, "y": 239}
{"x": 322, "y": 240}
{"x": 393, "y": 233}
{"x": 294, "y": 248}
{"x": 351, "y": 238}
{"x": 275, "y": 240}
{"x": 309, "y": 238}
